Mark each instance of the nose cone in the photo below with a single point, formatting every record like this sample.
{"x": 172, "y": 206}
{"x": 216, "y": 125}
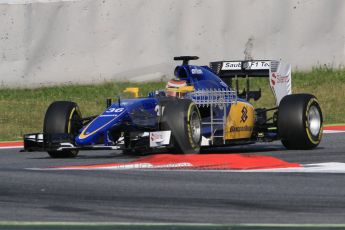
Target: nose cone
{"x": 91, "y": 133}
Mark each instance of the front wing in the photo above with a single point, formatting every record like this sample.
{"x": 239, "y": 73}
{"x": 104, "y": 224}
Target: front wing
{"x": 42, "y": 142}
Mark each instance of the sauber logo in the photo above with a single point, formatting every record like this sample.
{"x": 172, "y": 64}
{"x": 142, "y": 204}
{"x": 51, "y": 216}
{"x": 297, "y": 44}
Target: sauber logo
{"x": 244, "y": 116}
{"x": 231, "y": 65}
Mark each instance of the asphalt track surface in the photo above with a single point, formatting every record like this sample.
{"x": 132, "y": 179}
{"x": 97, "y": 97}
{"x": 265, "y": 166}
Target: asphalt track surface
{"x": 163, "y": 196}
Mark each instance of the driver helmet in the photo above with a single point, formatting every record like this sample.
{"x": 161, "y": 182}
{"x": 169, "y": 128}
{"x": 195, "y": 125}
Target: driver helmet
{"x": 174, "y": 84}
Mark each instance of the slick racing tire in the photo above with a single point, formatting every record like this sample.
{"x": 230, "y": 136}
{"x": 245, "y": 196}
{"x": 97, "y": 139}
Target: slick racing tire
{"x": 300, "y": 121}
{"x": 62, "y": 117}
{"x": 182, "y": 117}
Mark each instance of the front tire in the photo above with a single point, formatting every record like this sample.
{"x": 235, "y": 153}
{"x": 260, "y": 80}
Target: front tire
{"x": 62, "y": 117}
{"x": 182, "y": 117}
{"x": 300, "y": 121}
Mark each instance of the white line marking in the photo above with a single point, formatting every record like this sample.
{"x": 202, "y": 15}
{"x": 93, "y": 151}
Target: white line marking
{"x": 135, "y": 166}
{"x": 327, "y": 167}
{"x": 138, "y": 225}
{"x": 23, "y": 2}
{"x": 13, "y": 147}
{"x": 333, "y": 131}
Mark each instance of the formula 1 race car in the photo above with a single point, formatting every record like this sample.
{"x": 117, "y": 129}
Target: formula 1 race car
{"x": 202, "y": 106}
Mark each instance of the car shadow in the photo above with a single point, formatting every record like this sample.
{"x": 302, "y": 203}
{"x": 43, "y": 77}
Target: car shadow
{"x": 90, "y": 155}
{"x": 243, "y": 149}
{"x": 255, "y": 148}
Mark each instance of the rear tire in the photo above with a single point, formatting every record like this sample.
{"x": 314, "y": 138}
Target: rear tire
{"x": 62, "y": 117}
{"x": 182, "y": 117}
{"x": 300, "y": 121}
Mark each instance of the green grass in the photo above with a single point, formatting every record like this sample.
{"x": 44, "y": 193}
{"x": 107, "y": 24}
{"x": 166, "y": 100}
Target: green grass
{"x": 22, "y": 110}
{"x": 328, "y": 85}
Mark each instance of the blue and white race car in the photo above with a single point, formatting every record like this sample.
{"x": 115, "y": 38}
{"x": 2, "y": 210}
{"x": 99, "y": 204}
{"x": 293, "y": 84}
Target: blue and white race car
{"x": 202, "y": 106}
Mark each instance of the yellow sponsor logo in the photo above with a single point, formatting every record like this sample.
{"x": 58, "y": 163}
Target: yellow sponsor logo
{"x": 241, "y": 129}
{"x": 240, "y": 121}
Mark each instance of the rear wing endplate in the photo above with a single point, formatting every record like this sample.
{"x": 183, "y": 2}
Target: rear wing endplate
{"x": 279, "y": 73}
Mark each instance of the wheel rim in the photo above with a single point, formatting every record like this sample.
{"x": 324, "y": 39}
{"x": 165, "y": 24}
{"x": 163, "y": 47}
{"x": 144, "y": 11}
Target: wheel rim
{"x": 314, "y": 120}
{"x": 195, "y": 125}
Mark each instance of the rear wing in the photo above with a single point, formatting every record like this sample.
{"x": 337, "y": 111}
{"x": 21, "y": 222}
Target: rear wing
{"x": 278, "y": 73}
